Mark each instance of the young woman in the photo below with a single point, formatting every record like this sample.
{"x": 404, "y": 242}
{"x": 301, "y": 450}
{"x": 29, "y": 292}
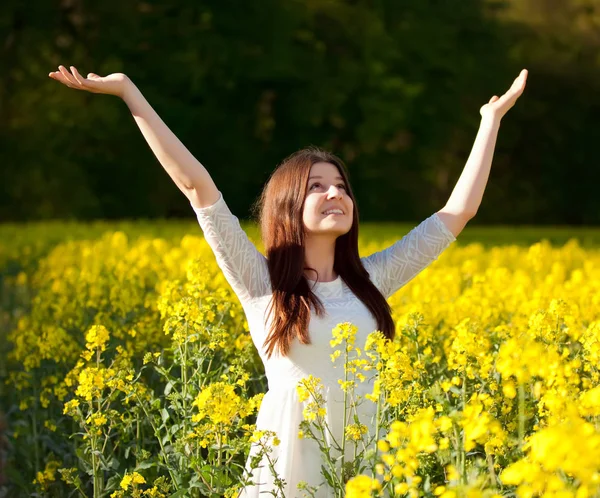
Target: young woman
{"x": 312, "y": 277}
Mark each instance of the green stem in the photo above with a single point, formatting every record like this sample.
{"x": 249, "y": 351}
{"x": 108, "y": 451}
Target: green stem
{"x": 184, "y": 374}
{"x": 209, "y": 365}
{"x": 220, "y": 435}
{"x": 377, "y": 416}
{"x": 490, "y": 461}
{"x": 324, "y": 439}
{"x": 521, "y": 414}
{"x": 137, "y": 438}
{"x": 329, "y": 462}
{"x": 95, "y": 469}
{"x": 345, "y": 406}
{"x": 80, "y": 491}
{"x": 272, "y": 469}
{"x": 157, "y": 435}
{"x": 35, "y": 432}
{"x": 457, "y": 442}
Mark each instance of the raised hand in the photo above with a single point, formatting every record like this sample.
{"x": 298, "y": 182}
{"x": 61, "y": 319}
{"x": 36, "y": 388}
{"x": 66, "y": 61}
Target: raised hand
{"x": 113, "y": 84}
{"x": 499, "y": 106}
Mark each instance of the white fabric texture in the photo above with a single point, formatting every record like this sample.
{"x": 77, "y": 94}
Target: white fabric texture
{"x": 245, "y": 268}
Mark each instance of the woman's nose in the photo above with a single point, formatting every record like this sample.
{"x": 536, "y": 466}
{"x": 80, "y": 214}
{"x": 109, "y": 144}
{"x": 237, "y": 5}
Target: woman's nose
{"x": 334, "y": 192}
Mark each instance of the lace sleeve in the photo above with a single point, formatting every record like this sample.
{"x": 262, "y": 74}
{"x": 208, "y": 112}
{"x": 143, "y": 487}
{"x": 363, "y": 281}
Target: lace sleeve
{"x": 244, "y": 267}
{"x": 392, "y": 268}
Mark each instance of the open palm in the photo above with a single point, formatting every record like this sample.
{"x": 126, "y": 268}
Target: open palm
{"x": 499, "y": 106}
{"x": 113, "y": 84}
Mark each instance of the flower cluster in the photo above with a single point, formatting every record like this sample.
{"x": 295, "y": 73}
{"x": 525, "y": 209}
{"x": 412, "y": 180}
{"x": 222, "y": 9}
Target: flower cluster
{"x": 131, "y": 354}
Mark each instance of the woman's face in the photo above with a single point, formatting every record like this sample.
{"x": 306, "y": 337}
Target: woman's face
{"x": 326, "y": 190}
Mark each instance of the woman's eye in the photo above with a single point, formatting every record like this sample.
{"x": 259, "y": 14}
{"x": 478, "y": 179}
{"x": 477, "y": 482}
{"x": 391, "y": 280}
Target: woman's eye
{"x": 339, "y": 185}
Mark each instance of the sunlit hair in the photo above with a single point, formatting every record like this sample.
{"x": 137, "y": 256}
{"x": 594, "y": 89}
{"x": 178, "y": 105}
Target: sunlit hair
{"x": 280, "y": 214}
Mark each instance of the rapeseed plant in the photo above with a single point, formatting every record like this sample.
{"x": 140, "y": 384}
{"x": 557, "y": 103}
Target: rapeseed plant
{"x": 132, "y": 357}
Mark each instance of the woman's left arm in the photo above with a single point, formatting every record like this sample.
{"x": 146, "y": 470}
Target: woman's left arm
{"x": 468, "y": 192}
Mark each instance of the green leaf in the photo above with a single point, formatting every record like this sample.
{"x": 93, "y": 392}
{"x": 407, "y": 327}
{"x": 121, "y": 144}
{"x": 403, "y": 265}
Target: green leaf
{"x": 177, "y": 494}
{"x": 327, "y": 475}
{"x": 146, "y": 465}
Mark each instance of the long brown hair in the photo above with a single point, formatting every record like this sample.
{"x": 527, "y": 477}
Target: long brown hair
{"x": 280, "y": 209}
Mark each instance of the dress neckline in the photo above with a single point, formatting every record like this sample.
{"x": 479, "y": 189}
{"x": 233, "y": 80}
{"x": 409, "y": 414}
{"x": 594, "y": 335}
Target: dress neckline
{"x": 319, "y": 283}
{"x": 326, "y": 290}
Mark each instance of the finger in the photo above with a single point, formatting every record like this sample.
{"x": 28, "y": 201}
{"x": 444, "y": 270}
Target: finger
{"x": 68, "y": 76}
{"x": 504, "y": 98}
{"x": 514, "y": 91}
{"x": 57, "y": 75}
{"x": 80, "y": 79}
{"x": 493, "y": 99}
{"x": 519, "y": 83}
{"x": 510, "y": 97}
{"x": 523, "y": 76}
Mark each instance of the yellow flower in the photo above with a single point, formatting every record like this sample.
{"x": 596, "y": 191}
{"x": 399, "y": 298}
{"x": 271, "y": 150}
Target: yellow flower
{"x": 335, "y": 355}
{"x": 307, "y": 386}
{"x": 356, "y": 431}
{"x": 47, "y": 476}
{"x": 345, "y": 331}
{"x": 383, "y": 445}
{"x": 361, "y": 486}
{"x": 479, "y": 426}
{"x": 218, "y": 402}
{"x": 374, "y": 396}
{"x": 590, "y": 402}
{"x": 91, "y": 383}
{"x": 71, "y": 407}
{"x": 452, "y": 473}
{"x": 97, "y": 337}
{"x": 450, "y": 493}
{"x": 97, "y": 419}
{"x": 508, "y": 389}
{"x": 401, "y": 488}
{"x": 133, "y": 478}
{"x": 444, "y": 423}
{"x": 50, "y": 425}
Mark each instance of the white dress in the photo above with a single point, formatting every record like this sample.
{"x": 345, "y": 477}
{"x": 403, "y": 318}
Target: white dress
{"x": 245, "y": 268}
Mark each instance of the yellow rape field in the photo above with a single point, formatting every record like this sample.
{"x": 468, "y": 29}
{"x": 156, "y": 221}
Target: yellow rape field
{"x": 128, "y": 370}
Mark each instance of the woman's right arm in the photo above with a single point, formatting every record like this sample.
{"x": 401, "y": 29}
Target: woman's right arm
{"x": 243, "y": 265}
{"x": 245, "y": 268}
{"x": 183, "y": 168}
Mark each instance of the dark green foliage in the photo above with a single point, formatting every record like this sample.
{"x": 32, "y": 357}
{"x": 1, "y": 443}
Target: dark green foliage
{"x": 393, "y": 86}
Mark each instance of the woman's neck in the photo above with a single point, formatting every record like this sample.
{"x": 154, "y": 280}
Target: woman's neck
{"x": 319, "y": 254}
